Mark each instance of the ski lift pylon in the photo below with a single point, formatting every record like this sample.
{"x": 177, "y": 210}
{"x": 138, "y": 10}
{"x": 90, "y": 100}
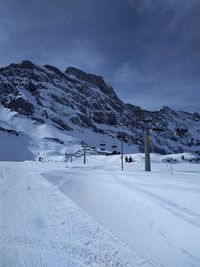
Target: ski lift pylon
{"x": 114, "y": 148}
{"x": 102, "y": 146}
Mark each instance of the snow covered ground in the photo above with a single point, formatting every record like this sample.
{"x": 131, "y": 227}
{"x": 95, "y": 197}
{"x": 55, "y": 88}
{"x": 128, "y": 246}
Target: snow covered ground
{"x": 71, "y": 214}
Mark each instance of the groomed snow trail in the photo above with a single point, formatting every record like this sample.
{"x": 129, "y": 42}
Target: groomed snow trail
{"x": 40, "y": 226}
{"x": 157, "y": 214}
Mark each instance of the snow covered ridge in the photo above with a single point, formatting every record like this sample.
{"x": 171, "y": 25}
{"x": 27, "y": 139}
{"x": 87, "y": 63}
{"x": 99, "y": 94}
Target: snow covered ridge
{"x": 53, "y": 111}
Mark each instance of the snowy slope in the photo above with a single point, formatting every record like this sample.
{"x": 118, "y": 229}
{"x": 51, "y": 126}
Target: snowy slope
{"x": 157, "y": 214}
{"x": 24, "y": 139}
{"x": 95, "y": 215}
{"x": 42, "y": 227}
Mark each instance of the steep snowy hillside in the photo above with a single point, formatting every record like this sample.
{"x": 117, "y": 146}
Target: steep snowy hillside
{"x": 24, "y": 139}
{"x": 53, "y": 107}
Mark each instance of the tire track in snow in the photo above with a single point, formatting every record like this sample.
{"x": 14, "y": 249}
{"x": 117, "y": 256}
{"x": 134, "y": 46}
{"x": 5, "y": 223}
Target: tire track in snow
{"x": 26, "y": 237}
{"x": 80, "y": 238}
{"x": 187, "y": 215}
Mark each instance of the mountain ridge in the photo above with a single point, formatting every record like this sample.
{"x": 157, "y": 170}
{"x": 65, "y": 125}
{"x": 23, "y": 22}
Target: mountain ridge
{"x": 84, "y": 106}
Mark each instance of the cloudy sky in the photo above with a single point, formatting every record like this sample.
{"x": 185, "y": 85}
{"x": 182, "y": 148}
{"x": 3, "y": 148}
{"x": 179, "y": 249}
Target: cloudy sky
{"x": 148, "y": 50}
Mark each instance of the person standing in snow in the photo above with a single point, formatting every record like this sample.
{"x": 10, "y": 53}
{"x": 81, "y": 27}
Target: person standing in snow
{"x": 130, "y": 159}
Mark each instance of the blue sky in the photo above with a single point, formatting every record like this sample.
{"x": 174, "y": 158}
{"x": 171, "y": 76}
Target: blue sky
{"x": 148, "y": 50}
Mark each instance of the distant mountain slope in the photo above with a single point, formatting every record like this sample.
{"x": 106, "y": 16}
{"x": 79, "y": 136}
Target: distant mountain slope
{"x": 192, "y": 109}
{"x": 81, "y": 105}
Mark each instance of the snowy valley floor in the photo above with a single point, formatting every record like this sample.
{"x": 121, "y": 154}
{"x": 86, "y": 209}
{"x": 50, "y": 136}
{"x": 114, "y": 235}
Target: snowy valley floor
{"x": 58, "y": 214}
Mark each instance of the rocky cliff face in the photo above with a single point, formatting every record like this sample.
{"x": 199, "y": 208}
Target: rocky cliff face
{"x": 85, "y": 106}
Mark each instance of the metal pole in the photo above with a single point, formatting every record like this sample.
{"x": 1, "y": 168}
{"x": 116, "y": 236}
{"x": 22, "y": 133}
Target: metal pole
{"x": 84, "y": 155}
{"x": 147, "y": 148}
{"x": 171, "y": 169}
{"x": 122, "y": 152}
{"x": 66, "y": 159}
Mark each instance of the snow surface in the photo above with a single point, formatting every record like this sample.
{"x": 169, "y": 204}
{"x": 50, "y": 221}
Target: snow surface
{"x": 34, "y": 140}
{"x": 71, "y": 214}
{"x": 40, "y": 226}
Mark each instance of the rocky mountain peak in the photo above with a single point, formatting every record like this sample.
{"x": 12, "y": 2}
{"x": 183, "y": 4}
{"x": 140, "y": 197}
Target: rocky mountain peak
{"x": 96, "y": 80}
{"x": 79, "y": 102}
{"x": 165, "y": 109}
{"x": 84, "y": 76}
{"x": 58, "y": 72}
{"x": 26, "y": 64}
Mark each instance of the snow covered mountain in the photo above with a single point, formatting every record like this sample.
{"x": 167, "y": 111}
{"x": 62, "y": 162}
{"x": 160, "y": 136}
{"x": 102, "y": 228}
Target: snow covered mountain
{"x": 47, "y": 112}
{"x": 192, "y": 109}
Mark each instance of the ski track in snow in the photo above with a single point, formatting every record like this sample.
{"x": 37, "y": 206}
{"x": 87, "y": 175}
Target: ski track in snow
{"x": 156, "y": 214}
{"x": 186, "y": 214}
{"x": 40, "y": 226}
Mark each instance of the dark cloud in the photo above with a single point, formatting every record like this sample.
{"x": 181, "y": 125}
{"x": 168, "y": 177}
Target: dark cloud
{"x": 149, "y": 50}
